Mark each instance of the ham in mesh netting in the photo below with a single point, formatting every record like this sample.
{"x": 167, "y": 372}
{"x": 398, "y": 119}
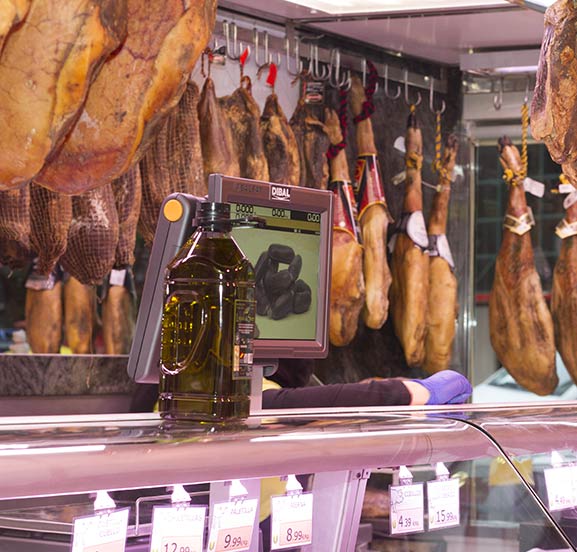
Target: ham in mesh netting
{"x": 93, "y": 236}
{"x": 15, "y": 227}
{"x": 127, "y": 195}
{"x": 173, "y": 163}
{"x": 50, "y": 218}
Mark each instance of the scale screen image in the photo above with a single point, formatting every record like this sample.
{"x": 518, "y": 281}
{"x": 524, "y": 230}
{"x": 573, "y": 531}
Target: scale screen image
{"x": 285, "y": 253}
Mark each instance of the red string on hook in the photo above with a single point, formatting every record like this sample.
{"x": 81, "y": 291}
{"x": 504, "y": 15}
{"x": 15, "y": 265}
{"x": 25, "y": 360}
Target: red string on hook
{"x": 272, "y": 74}
{"x": 368, "y": 106}
{"x": 335, "y": 148}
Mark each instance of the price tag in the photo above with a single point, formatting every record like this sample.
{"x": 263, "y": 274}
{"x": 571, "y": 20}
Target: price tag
{"x": 177, "y": 529}
{"x": 117, "y": 277}
{"x": 232, "y": 525}
{"x": 533, "y": 187}
{"x": 561, "y": 486}
{"x": 407, "y": 509}
{"x": 443, "y": 503}
{"x": 292, "y": 520}
{"x": 101, "y": 532}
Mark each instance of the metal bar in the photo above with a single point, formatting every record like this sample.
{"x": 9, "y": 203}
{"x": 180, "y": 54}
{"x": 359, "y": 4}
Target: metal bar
{"x": 350, "y": 59}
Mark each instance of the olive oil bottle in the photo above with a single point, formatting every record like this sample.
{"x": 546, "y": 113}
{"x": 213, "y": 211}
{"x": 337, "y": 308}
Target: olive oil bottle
{"x": 208, "y": 324}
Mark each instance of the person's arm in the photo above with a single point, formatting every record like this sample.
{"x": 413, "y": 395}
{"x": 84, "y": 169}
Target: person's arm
{"x": 446, "y": 387}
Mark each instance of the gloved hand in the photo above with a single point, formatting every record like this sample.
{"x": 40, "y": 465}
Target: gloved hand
{"x": 447, "y": 387}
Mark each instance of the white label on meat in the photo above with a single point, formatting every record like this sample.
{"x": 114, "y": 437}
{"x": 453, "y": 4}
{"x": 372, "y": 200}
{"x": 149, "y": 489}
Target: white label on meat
{"x": 533, "y": 187}
{"x": 561, "y": 484}
{"x": 417, "y": 230}
{"x": 117, "y": 277}
{"x": 444, "y": 249}
{"x": 571, "y": 199}
{"x": 566, "y": 188}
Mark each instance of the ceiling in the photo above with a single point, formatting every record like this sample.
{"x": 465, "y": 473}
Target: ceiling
{"x": 439, "y": 34}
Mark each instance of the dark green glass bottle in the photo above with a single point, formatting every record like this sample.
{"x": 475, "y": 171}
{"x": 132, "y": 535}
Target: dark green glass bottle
{"x": 208, "y": 324}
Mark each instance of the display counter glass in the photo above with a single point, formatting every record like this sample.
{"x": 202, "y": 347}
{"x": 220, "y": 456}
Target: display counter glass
{"x": 51, "y": 469}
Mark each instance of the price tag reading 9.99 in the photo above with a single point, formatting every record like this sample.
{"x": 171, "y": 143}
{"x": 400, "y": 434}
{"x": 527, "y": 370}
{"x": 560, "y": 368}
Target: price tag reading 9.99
{"x": 232, "y": 526}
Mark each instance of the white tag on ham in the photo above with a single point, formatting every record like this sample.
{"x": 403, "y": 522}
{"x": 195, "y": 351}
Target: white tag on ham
{"x": 571, "y": 199}
{"x": 417, "y": 230}
{"x": 444, "y": 249}
{"x": 566, "y": 188}
{"x": 533, "y": 187}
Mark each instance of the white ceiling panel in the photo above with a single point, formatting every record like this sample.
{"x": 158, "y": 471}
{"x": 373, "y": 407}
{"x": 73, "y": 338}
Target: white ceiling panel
{"x": 444, "y": 38}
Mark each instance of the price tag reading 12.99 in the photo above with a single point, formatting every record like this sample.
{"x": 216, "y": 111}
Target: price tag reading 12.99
{"x": 292, "y": 521}
{"x": 177, "y": 529}
{"x": 232, "y": 526}
{"x": 443, "y": 503}
{"x": 407, "y": 509}
{"x": 101, "y": 532}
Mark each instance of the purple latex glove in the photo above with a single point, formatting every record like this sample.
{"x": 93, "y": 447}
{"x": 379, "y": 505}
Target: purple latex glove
{"x": 447, "y": 387}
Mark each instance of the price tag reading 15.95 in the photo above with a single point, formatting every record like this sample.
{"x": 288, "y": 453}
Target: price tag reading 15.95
{"x": 104, "y": 532}
{"x": 443, "y": 503}
{"x": 177, "y": 529}
{"x": 407, "y": 509}
{"x": 291, "y": 521}
{"x": 232, "y": 526}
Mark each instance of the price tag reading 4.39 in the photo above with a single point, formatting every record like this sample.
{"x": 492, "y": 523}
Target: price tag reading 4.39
{"x": 292, "y": 521}
{"x": 177, "y": 529}
{"x": 443, "y": 503}
{"x": 407, "y": 509}
{"x": 101, "y": 532}
{"x": 232, "y": 526}
{"x": 561, "y": 486}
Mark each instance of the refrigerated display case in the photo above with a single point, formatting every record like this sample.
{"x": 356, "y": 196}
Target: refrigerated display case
{"x": 51, "y": 468}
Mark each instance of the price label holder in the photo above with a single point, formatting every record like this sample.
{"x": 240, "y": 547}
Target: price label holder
{"x": 443, "y": 500}
{"x": 407, "y": 505}
{"x": 232, "y": 525}
{"x": 561, "y": 484}
{"x": 105, "y": 531}
{"x": 179, "y": 527}
{"x": 292, "y": 517}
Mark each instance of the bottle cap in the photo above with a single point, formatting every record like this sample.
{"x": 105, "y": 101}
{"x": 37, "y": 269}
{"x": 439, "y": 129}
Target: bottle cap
{"x": 213, "y": 212}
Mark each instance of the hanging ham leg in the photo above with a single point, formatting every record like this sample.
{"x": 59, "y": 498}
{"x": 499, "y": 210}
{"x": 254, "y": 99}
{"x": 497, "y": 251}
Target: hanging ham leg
{"x": 410, "y": 264}
{"x": 442, "y": 306}
{"x": 521, "y": 326}
{"x": 373, "y": 217}
{"x": 218, "y": 152}
{"x": 564, "y": 293}
{"x": 347, "y": 281}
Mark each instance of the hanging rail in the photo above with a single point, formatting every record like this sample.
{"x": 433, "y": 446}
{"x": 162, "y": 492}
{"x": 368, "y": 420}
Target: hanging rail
{"x": 348, "y": 60}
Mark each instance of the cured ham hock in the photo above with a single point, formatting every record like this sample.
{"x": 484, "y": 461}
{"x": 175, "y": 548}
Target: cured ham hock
{"x": 410, "y": 264}
{"x": 442, "y": 306}
{"x": 347, "y": 281}
{"x": 521, "y": 326}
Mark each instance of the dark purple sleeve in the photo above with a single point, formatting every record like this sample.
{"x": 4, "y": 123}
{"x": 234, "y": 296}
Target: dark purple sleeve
{"x": 388, "y": 392}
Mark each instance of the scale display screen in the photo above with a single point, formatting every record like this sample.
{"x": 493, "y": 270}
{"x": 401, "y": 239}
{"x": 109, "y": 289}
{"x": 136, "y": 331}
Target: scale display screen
{"x": 286, "y": 251}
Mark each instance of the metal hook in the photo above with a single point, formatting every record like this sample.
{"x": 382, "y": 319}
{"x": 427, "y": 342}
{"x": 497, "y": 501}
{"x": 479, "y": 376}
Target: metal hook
{"x": 364, "y": 75}
{"x": 318, "y": 72}
{"x": 431, "y": 94}
{"x": 263, "y": 63}
{"x": 386, "y": 78}
{"x": 407, "y": 101}
{"x": 234, "y": 50}
{"x": 498, "y": 98}
{"x": 298, "y": 61}
{"x": 526, "y": 97}
{"x": 335, "y": 79}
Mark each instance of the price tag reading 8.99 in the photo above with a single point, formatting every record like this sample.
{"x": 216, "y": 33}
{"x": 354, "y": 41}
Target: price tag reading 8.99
{"x": 232, "y": 526}
{"x": 443, "y": 503}
{"x": 407, "y": 509}
{"x": 291, "y": 520}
